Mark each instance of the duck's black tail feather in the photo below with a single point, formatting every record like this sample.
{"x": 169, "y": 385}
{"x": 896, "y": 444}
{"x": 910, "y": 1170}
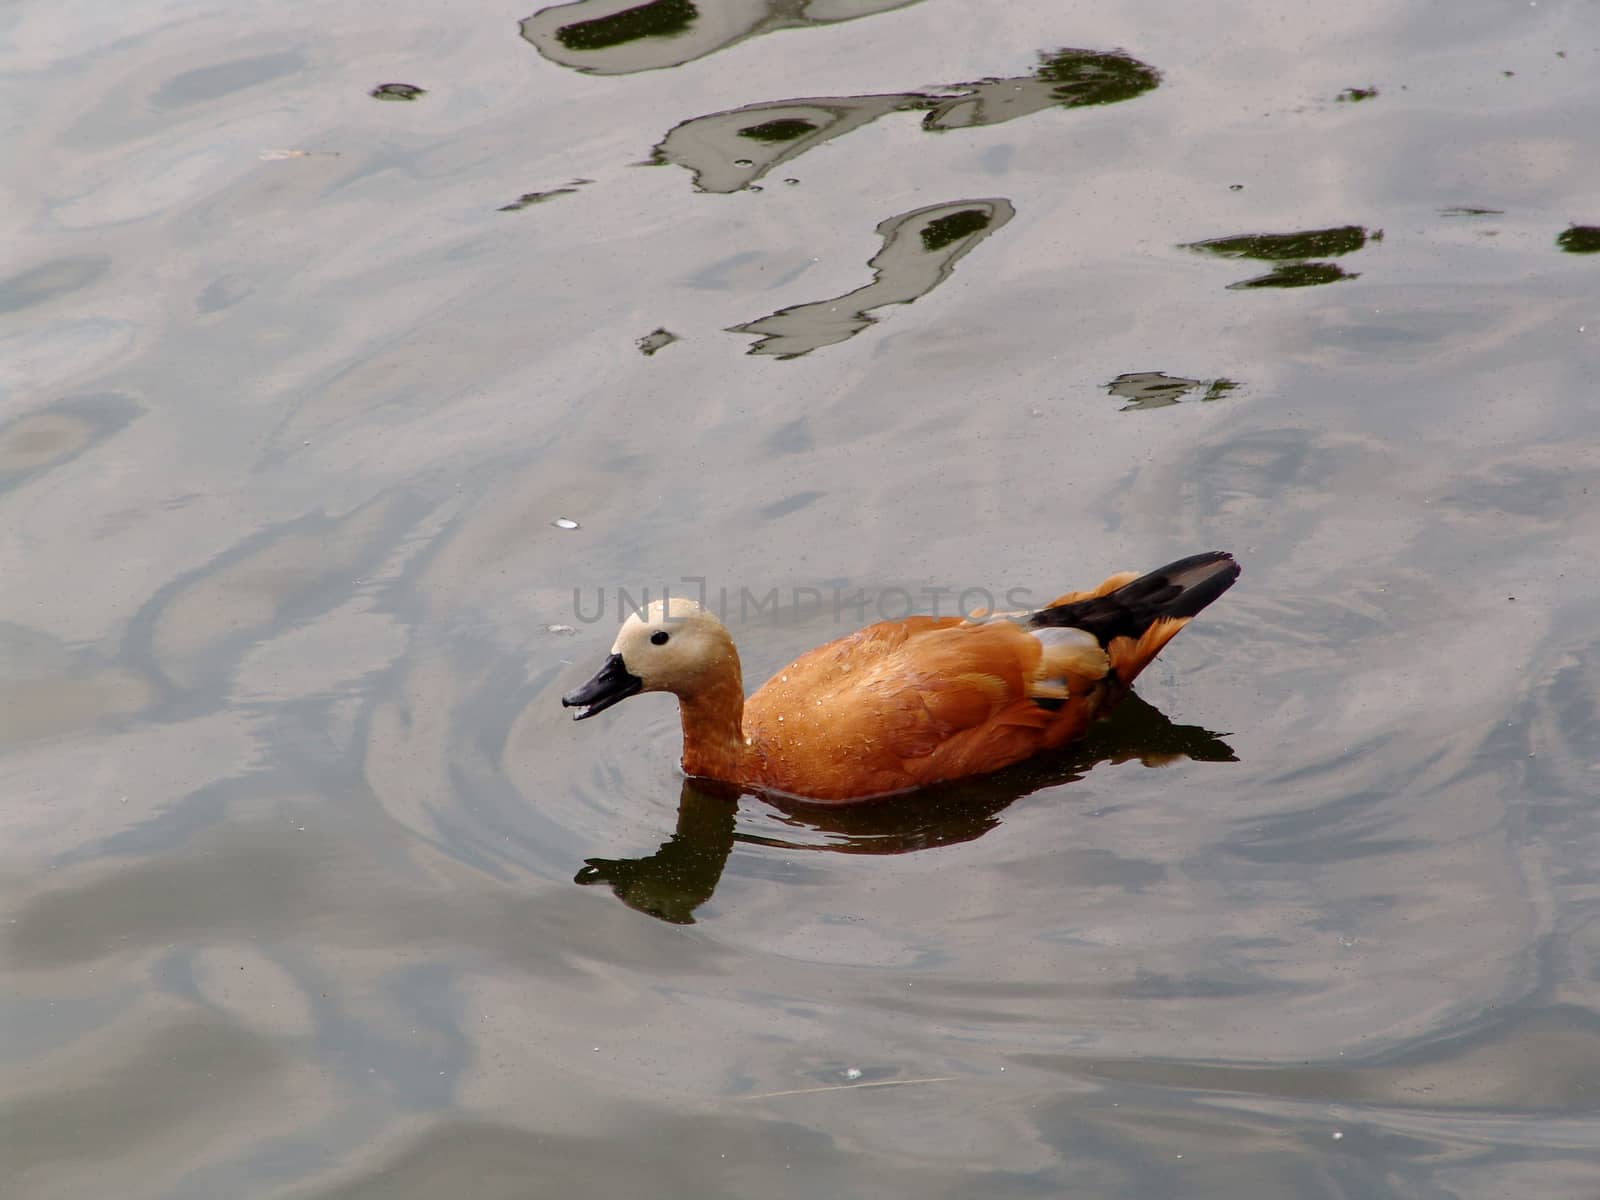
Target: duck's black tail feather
{"x": 1177, "y": 590}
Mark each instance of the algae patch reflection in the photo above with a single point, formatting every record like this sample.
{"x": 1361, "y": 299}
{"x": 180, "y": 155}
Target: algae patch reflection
{"x": 605, "y": 37}
{"x": 397, "y": 92}
{"x": 1580, "y": 239}
{"x": 684, "y": 872}
{"x": 1295, "y": 255}
{"x": 920, "y": 249}
{"x": 660, "y": 19}
{"x": 527, "y": 199}
{"x": 657, "y": 339}
{"x": 1144, "y": 390}
{"x": 1065, "y": 78}
{"x": 1276, "y": 247}
{"x": 730, "y": 150}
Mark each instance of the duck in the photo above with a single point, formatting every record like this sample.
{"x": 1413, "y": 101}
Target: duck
{"x": 903, "y": 704}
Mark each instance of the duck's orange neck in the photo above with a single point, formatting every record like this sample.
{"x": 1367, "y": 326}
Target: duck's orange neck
{"x": 713, "y": 737}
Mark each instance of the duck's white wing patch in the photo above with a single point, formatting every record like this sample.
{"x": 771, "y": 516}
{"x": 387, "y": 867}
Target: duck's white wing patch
{"x": 1066, "y": 652}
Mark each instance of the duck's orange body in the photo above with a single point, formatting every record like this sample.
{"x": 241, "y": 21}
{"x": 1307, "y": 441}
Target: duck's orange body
{"x": 902, "y": 704}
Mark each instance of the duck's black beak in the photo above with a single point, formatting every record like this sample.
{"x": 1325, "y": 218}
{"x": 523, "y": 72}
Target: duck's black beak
{"x": 612, "y": 682}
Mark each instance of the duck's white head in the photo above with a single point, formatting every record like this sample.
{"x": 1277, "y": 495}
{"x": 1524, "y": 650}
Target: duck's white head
{"x": 672, "y": 646}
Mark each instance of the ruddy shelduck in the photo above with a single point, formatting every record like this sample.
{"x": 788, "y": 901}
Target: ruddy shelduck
{"x": 902, "y": 704}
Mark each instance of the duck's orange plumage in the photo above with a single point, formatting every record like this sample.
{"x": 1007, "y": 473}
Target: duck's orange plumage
{"x": 901, "y": 704}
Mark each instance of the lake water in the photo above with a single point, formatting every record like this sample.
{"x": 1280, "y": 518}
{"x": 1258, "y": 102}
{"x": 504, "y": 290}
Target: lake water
{"x": 339, "y": 429}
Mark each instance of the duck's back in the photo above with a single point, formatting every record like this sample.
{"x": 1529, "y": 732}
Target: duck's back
{"x": 902, "y": 704}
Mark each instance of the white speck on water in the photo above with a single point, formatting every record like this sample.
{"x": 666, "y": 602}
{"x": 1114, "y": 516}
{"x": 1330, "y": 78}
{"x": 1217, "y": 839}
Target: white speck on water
{"x": 852, "y": 1072}
{"x": 561, "y": 629}
{"x": 564, "y": 523}
{"x": 1338, "y": 1135}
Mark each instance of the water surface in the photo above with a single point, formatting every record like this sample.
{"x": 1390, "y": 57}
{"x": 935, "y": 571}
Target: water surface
{"x": 313, "y": 890}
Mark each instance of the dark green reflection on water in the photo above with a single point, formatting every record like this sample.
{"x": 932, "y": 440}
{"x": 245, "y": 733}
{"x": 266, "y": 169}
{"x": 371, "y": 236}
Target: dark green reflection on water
{"x": 1065, "y": 78}
{"x": 660, "y": 19}
{"x": 941, "y": 231}
{"x": 683, "y": 874}
{"x": 1580, "y": 239}
{"x": 397, "y": 91}
{"x": 1275, "y": 247}
{"x": 1089, "y": 77}
{"x": 1292, "y": 253}
{"x": 778, "y": 131}
{"x": 1295, "y": 275}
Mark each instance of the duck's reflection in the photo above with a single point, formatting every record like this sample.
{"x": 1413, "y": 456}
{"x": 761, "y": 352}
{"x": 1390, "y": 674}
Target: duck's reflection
{"x": 682, "y": 875}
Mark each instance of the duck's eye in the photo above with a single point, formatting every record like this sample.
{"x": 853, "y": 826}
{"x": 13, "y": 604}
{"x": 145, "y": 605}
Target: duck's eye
{"x": 659, "y": 637}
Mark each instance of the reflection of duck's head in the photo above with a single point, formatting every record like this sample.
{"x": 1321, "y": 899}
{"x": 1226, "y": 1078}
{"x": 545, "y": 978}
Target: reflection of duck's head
{"x": 672, "y": 646}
